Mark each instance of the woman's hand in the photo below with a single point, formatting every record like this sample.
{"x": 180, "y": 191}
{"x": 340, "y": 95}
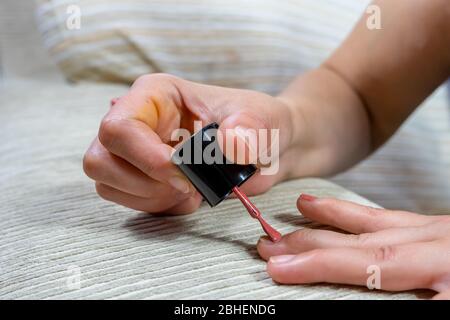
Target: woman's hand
{"x": 409, "y": 250}
{"x": 130, "y": 158}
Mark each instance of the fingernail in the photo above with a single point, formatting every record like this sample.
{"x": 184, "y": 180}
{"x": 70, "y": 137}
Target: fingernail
{"x": 281, "y": 259}
{"x": 114, "y": 101}
{"x": 307, "y": 197}
{"x": 180, "y": 184}
{"x": 249, "y": 136}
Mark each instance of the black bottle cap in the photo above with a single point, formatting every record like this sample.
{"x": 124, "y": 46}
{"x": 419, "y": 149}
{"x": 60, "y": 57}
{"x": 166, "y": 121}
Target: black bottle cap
{"x": 204, "y": 164}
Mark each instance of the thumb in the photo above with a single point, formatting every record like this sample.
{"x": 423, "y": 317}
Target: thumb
{"x": 246, "y": 138}
{"x": 249, "y": 122}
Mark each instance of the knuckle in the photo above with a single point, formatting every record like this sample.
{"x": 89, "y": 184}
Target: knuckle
{"x": 373, "y": 212}
{"x": 362, "y": 239}
{"x": 375, "y": 219}
{"x": 91, "y": 164}
{"x": 154, "y": 77}
{"x": 144, "y": 78}
{"x": 164, "y": 76}
{"x": 109, "y": 132}
{"x": 384, "y": 253}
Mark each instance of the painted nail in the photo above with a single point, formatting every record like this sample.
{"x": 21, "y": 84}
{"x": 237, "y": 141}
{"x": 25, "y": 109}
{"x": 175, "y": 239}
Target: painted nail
{"x": 282, "y": 259}
{"x": 180, "y": 184}
{"x": 114, "y": 101}
{"x": 307, "y": 197}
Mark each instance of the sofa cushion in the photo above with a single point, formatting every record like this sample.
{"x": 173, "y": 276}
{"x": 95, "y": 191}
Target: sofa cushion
{"x": 258, "y": 44}
{"x": 22, "y": 53}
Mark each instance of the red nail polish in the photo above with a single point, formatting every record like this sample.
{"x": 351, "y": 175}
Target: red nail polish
{"x": 114, "y": 101}
{"x": 307, "y": 197}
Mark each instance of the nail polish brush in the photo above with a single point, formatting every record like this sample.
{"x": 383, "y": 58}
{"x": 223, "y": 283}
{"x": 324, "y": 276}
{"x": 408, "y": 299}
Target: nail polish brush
{"x": 216, "y": 180}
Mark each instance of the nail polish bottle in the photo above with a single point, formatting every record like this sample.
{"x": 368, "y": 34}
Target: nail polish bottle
{"x": 214, "y": 176}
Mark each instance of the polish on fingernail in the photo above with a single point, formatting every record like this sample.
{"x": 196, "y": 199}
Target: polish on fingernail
{"x": 180, "y": 184}
{"x": 307, "y": 197}
{"x": 114, "y": 101}
{"x": 281, "y": 259}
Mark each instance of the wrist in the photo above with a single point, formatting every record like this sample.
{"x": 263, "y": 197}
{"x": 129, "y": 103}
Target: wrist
{"x": 296, "y": 155}
{"x": 296, "y": 119}
{"x": 329, "y": 125}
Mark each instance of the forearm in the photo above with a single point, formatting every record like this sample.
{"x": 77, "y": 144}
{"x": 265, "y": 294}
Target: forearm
{"x": 359, "y": 97}
{"x": 331, "y": 125}
{"x": 393, "y": 69}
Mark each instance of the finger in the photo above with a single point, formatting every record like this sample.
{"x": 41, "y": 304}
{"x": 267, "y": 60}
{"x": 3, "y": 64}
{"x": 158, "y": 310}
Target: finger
{"x": 310, "y": 239}
{"x": 186, "y": 206}
{"x": 135, "y": 143}
{"x": 135, "y": 127}
{"x": 152, "y": 205}
{"x": 102, "y": 166}
{"x": 356, "y": 218}
{"x": 154, "y": 100}
{"x": 442, "y": 296}
{"x": 256, "y": 136}
{"x": 404, "y": 267}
